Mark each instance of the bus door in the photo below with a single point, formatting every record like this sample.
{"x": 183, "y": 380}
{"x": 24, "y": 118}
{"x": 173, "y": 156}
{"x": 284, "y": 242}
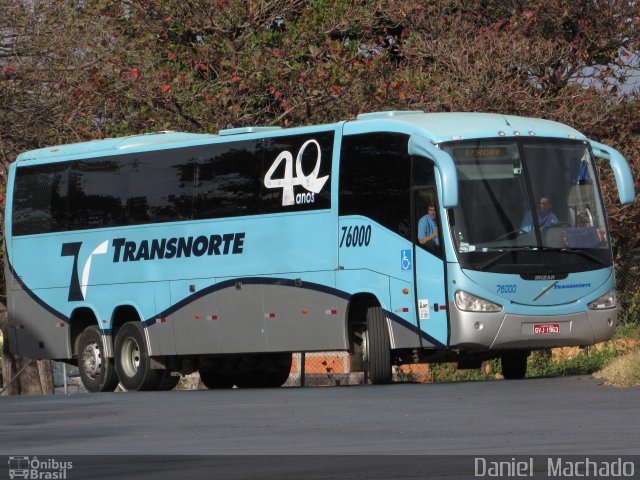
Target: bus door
{"x": 429, "y": 284}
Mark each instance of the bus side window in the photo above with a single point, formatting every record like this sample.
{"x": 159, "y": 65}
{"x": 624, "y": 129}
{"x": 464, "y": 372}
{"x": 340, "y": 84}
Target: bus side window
{"x": 160, "y": 189}
{"x": 228, "y": 181}
{"x": 97, "y": 194}
{"x": 427, "y": 221}
{"x": 375, "y": 173}
{"x": 40, "y": 199}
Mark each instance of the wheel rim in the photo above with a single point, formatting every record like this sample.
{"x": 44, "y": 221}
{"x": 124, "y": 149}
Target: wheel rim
{"x": 92, "y": 360}
{"x": 130, "y": 357}
{"x": 365, "y": 346}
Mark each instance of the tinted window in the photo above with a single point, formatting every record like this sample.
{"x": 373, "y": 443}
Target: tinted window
{"x": 375, "y": 174}
{"x": 304, "y": 163}
{"x": 97, "y": 194}
{"x": 228, "y": 181}
{"x": 40, "y": 199}
{"x": 161, "y": 187}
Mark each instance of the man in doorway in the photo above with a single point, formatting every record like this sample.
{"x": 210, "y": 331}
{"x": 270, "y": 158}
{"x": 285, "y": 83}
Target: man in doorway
{"x": 428, "y": 227}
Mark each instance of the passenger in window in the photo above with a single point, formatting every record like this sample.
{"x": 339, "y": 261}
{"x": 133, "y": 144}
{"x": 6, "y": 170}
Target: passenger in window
{"x": 428, "y": 228}
{"x": 546, "y": 218}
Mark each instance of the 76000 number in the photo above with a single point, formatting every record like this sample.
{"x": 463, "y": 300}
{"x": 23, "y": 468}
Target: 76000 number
{"x": 355, "y": 236}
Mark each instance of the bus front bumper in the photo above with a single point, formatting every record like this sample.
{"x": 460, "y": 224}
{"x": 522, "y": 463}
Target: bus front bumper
{"x": 496, "y": 331}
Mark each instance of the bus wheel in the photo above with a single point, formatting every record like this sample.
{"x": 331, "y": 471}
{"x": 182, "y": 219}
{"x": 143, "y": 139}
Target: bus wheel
{"x": 377, "y": 347}
{"x": 133, "y": 364}
{"x": 279, "y": 370}
{"x": 213, "y": 379}
{"x": 96, "y": 370}
{"x": 514, "y": 364}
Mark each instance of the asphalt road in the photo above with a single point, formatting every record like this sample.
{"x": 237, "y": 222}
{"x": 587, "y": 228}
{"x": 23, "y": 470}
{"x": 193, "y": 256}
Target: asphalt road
{"x": 559, "y": 416}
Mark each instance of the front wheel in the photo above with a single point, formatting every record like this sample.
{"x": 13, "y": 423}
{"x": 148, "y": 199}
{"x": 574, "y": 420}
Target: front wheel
{"x": 377, "y": 347}
{"x": 133, "y": 363}
{"x": 96, "y": 369}
{"x": 514, "y": 364}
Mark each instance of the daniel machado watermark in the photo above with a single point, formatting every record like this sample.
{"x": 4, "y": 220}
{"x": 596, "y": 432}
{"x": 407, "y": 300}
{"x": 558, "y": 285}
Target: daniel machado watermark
{"x": 38, "y": 468}
{"x": 556, "y": 467}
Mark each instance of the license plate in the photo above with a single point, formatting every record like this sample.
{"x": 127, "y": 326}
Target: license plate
{"x": 546, "y": 329}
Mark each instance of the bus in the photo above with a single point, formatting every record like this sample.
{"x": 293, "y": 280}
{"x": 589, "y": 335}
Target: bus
{"x": 398, "y": 237}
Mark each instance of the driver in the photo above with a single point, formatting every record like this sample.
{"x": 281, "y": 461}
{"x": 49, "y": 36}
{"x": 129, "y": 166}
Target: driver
{"x": 546, "y": 217}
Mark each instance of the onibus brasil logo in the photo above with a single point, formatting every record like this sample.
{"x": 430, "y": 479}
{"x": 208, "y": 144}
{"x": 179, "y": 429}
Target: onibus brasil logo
{"x": 38, "y": 469}
{"x": 310, "y": 182}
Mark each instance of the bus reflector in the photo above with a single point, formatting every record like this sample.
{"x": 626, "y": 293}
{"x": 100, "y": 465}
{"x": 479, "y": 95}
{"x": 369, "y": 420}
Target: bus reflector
{"x": 162, "y": 320}
{"x": 61, "y": 324}
{"x": 197, "y": 315}
{"x": 405, "y": 291}
{"x": 271, "y": 315}
{"x": 212, "y": 317}
{"x": 331, "y": 312}
{"x": 305, "y": 311}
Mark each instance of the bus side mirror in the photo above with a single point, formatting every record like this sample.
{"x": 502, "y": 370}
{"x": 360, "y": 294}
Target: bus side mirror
{"x": 423, "y": 147}
{"x": 621, "y": 171}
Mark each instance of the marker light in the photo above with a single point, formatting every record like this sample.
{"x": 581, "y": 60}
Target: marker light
{"x": 470, "y": 303}
{"x": 608, "y": 300}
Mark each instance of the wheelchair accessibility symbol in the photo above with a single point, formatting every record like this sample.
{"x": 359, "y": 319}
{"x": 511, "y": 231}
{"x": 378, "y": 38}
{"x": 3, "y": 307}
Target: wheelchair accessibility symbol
{"x": 406, "y": 262}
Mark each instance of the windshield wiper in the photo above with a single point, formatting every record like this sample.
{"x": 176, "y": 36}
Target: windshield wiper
{"x": 507, "y": 250}
{"x": 576, "y": 251}
{"x": 504, "y": 251}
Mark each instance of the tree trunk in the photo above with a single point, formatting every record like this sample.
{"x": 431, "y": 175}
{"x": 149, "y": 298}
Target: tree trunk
{"x": 36, "y": 379}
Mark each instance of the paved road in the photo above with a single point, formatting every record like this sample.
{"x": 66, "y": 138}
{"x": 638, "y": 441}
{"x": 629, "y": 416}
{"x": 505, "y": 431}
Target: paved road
{"x": 560, "y": 416}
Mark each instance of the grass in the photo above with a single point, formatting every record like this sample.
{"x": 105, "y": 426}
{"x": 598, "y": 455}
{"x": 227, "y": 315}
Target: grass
{"x": 624, "y": 371}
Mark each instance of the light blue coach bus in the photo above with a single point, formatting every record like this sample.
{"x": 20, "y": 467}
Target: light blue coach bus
{"x": 142, "y": 257}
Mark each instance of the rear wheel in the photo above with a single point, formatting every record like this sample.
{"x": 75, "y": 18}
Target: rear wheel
{"x": 279, "y": 369}
{"x": 132, "y": 360}
{"x": 514, "y": 364}
{"x": 97, "y": 371}
{"x": 377, "y": 348}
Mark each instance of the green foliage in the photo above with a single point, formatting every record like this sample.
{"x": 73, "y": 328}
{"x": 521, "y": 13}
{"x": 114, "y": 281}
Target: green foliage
{"x": 541, "y": 363}
{"x": 589, "y": 360}
{"x": 631, "y": 310}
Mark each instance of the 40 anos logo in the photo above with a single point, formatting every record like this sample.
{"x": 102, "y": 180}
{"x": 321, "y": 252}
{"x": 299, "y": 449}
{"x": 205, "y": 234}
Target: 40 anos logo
{"x": 310, "y": 182}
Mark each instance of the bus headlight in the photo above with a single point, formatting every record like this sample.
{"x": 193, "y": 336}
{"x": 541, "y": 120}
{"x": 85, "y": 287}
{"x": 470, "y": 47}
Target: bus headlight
{"x": 608, "y": 300}
{"x": 470, "y": 303}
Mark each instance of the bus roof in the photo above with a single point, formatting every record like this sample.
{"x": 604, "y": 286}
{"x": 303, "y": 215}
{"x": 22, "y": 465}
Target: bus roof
{"x": 445, "y": 127}
{"x": 437, "y": 127}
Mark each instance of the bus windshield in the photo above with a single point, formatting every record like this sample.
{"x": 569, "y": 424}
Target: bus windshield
{"x": 526, "y": 203}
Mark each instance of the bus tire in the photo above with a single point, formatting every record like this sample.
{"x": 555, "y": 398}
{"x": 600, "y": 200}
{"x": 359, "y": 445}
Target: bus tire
{"x": 215, "y": 380}
{"x": 279, "y": 371}
{"x": 378, "y": 347}
{"x": 97, "y": 371}
{"x": 133, "y": 364}
{"x": 514, "y": 364}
